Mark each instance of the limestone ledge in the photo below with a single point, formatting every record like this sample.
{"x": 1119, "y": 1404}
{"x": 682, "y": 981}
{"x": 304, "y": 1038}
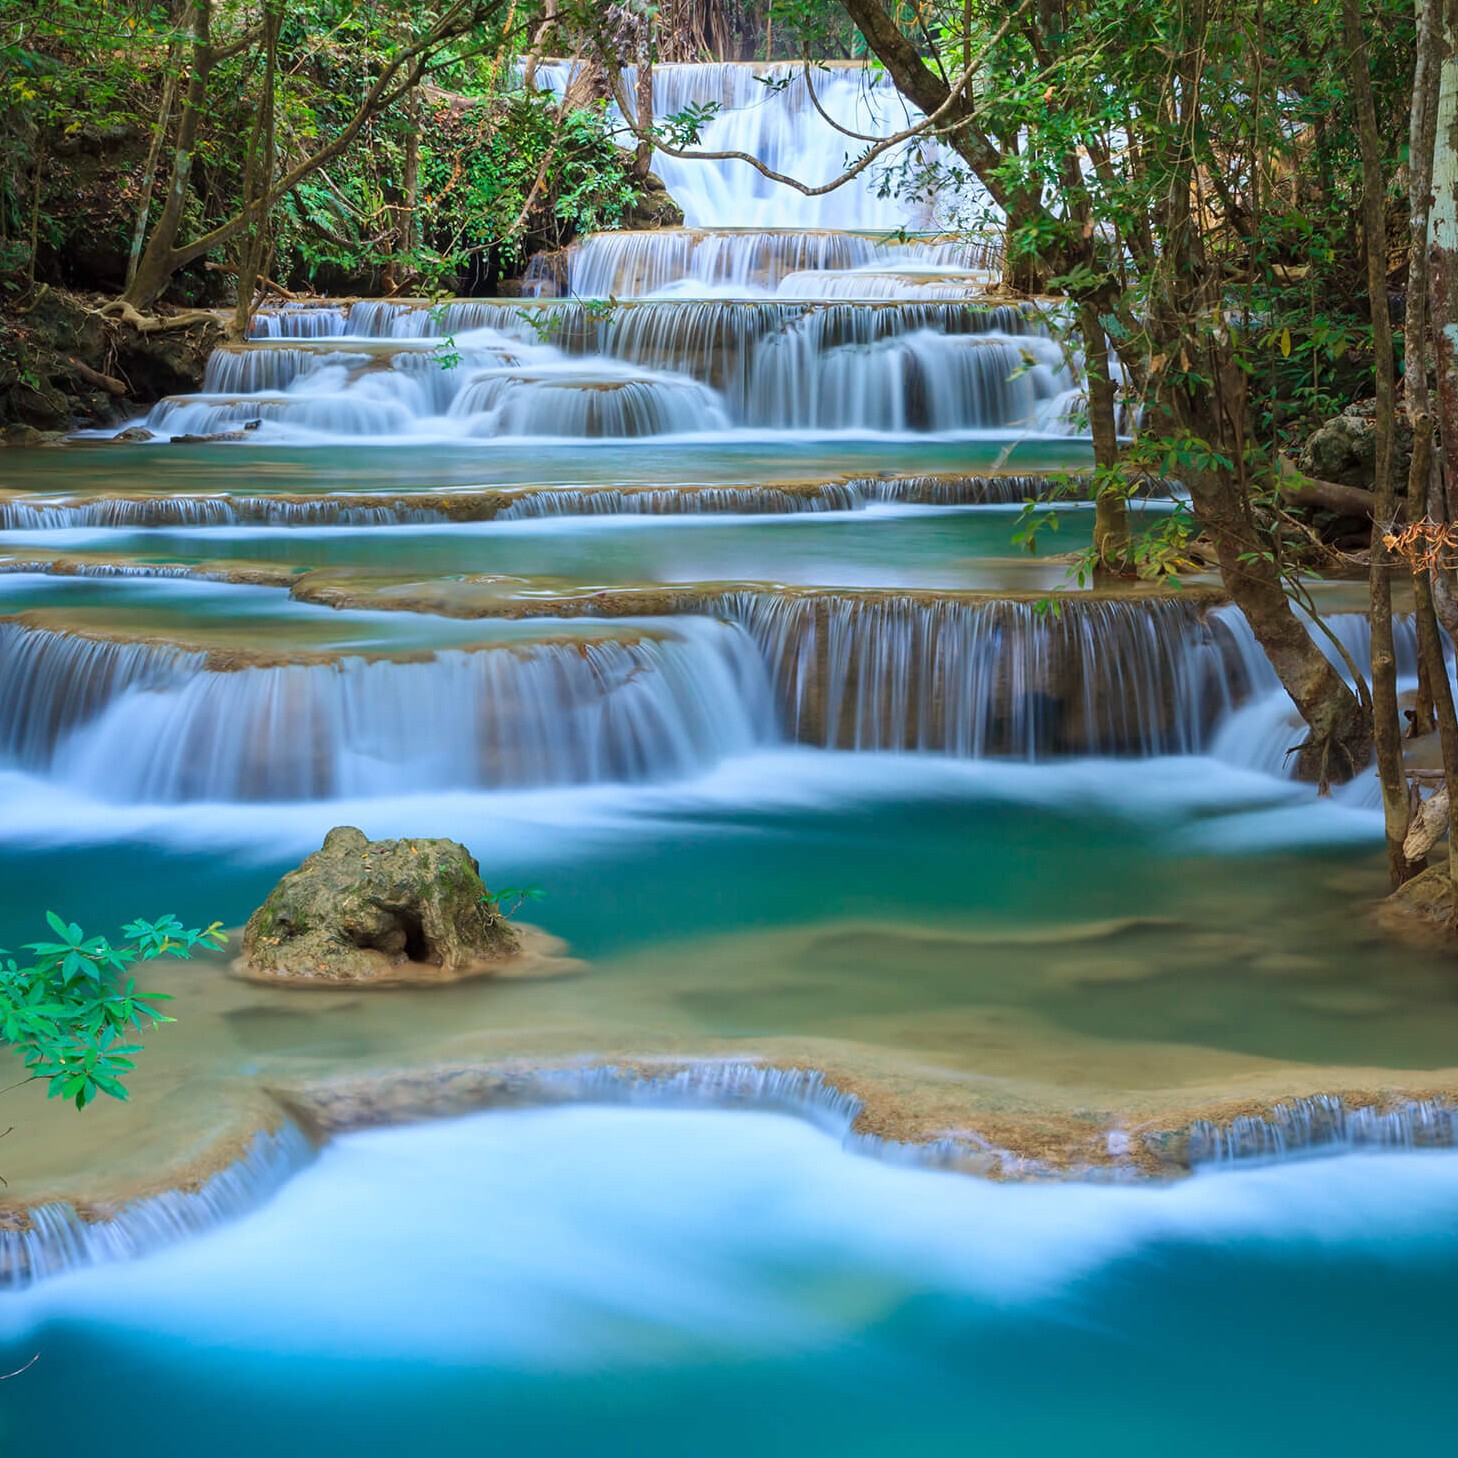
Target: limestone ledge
{"x": 915, "y": 1115}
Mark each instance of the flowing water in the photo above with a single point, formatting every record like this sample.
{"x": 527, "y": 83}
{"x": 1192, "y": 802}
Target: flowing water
{"x": 687, "y": 589}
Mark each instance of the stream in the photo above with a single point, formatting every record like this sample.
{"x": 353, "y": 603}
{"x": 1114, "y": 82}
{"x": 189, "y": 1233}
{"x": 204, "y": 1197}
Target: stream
{"x": 685, "y": 588}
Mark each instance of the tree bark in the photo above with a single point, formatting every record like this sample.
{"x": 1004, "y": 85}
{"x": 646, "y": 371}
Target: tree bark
{"x": 1430, "y": 648}
{"x": 154, "y": 268}
{"x": 1111, "y": 506}
{"x": 1442, "y": 244}
{"x": 1386, "y": 722}
{"x": 643, "y": 100}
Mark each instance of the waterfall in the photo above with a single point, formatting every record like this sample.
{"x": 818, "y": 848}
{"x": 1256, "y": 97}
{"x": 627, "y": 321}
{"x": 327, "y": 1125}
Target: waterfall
{"x": 1322, "y": 1125}
{"x": 140, "y": 723}
{"x": 959, "y": 490}
{"x": 211, "y": 511}
{"x": 983, "y": 678}
{"x": 750, "y": 263}
{"x": 1262, "y": 735}
{"x": 53, "y": 683}
{"x": 796, "y": 125}
{"x": 651, "y": 368}
{"x": 521, "y": 503}
{"x": 298, "y": 321}
{"x": 986, "y": 678}
{"x": 684, "y": 501}
{"x": 57, "y": 1239}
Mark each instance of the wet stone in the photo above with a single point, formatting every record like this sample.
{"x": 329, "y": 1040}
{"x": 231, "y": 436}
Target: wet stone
{"x": 378, "y": 912}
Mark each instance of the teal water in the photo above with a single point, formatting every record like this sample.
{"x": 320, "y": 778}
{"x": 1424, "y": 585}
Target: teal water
{"x": 936, "y": 548}
{"x": 433, "y": 465}
{"x": 907, "y": 883}
{"x": 520, "y": 1282}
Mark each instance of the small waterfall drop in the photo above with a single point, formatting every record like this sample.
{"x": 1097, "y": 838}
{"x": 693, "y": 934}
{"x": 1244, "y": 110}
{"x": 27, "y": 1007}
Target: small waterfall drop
{"x": 994, "y": 678}
{"x": 1322, "y": 1124}
{"x": 57, "y": 1239}
{"x": 146, "y": 724}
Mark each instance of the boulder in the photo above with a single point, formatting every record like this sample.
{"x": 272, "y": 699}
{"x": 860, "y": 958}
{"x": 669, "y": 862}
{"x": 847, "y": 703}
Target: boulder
{"x": 363, "y": 911}
{"x": 653, "y": 207}
{"x": 1344, "y": 450}
{"x": 1420, "y": 911}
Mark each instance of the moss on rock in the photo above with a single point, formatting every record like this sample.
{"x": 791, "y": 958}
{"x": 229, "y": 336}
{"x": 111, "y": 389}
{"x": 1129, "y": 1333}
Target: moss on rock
{"x": 381, "y": 912}
{"x": 1420, "y": 912}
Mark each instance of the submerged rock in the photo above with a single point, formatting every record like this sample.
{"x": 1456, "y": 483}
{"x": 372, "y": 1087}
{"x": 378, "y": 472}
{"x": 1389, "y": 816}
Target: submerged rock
{"x": 381, "y": 911}
{"x": 1420, "y": 912}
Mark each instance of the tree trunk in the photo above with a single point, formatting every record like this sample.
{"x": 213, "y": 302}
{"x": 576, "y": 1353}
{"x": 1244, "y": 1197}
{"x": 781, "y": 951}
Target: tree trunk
{"x": 258, "y": 179}
{"x": 155, "y": 267}
{"x": 1111, "y": 505}
{"x": 643, "y": 101}
{"x": 149, "y": 171}
{"x": 1430, "y": 648}
{"x": 1023, "y": 271}
{"x": 1386, "y": 722}
{"x": 1443, "y": 253}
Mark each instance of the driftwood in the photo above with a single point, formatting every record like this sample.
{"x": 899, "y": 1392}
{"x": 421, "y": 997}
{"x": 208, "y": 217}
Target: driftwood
{"x": 1302, "y": 490}
{"x": 1428, "y": 826}
{"x": 109, "y": 383}
{"x": 268, "y": 285}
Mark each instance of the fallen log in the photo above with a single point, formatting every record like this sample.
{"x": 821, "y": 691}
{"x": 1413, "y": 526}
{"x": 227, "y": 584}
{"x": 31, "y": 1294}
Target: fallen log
{"x": 109, "y": 383}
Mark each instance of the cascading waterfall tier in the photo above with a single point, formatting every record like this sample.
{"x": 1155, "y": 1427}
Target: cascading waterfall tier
{"x": 56, "y": 1238}
{"x": 489, "y": 369}
{"x": 853, "y": 671}
{"x": 26, "y": 513}
{"x": 1322, "y": 1125}
{"x": 1004, "y": 678}
{"x": 21, "y": 514}
{"x": 795, "y": 120}
{"x": 749, "y": 263}
{"x": 142, "y": 722}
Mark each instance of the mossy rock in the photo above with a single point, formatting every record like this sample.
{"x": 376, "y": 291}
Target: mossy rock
{"x": 1420, "y": 912}
{"x": 362, "y": 911}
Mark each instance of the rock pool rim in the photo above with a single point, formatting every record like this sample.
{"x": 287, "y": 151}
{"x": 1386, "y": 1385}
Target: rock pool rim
{"x": 245, "y": 1168}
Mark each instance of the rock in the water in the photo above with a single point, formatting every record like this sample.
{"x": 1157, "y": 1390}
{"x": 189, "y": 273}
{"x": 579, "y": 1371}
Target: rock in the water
{"x": 1420, "y": 911}
{"x": 377, "y": 911}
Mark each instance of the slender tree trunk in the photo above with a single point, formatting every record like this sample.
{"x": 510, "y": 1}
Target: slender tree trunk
{"x": 643, "y": 101}
{"x": 1111, "y": 508}
{"x": 1443, "y": 253}
{"x": 1430, "y": 649}
{"x": 149, "y": 171}
{"x": 155, "y": 267}
{"x": 37, "y": 181}
{"x": 258, "y": 179}
{"x": 1418, "y": 351}
{"x": 1386, "y": 721}
{"x": 1022, "y": 271}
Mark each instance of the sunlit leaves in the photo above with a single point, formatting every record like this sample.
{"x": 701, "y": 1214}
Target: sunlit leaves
{"x": 68, "y": 1009}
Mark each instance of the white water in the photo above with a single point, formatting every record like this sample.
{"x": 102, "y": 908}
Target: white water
{"x": 770, "y": 113}
{"x": 143, "y": 723}
{"x": 745, "y": 323}
{"x": 137, "y": 723}
{"x": 514, "y": 1240}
